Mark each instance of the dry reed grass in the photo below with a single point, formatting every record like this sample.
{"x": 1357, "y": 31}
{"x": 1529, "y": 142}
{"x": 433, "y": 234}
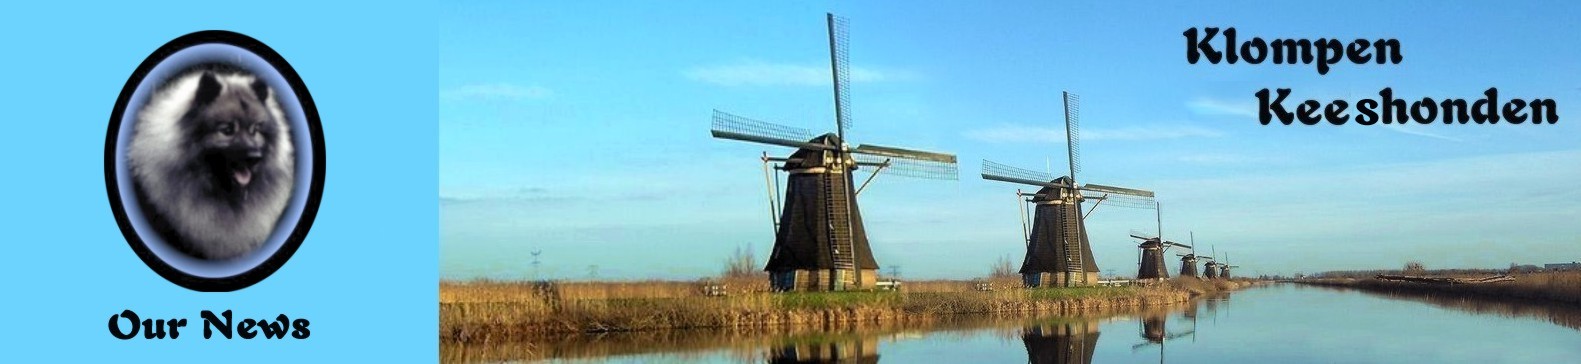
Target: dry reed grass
{"x": 1560, "y": 287}
{"x": 494, "y": 311}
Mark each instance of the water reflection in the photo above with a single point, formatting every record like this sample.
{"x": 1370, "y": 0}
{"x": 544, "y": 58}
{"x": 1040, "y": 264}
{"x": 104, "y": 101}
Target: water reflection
{"x": 1068, "y": 342}
{"x": 1555, "y": 313}
{"x": 853, "y": 350}
{"x": 1261, "y": 328}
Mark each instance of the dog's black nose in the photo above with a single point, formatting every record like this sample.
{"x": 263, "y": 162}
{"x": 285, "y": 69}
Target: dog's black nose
{"x": 254, "y": 156}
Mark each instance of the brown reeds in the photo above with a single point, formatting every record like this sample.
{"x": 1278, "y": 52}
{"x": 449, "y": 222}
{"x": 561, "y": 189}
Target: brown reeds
{"x": 1561, "y": 287}
{"x": 493, "y": 311}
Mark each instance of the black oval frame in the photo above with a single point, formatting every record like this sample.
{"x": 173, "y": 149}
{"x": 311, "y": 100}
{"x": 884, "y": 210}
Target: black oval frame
{"x": 315, "y": 190}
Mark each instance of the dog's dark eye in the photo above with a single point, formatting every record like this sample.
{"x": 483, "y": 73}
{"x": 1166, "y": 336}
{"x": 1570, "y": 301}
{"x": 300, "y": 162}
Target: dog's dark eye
{"x": 228, "y": 128}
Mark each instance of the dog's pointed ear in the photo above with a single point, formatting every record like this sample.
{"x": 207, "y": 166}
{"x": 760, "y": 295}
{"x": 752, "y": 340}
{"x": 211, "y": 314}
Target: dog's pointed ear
{"x": 261, "y": 89}
{"x": 208, "y": 89}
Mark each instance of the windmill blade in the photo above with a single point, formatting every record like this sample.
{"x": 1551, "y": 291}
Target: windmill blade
{"x": 915, "y": 168}
{"x": 1073, "y": 132}
{"x": 1116, "y": 190}
{"x": 1142, "y": 235}
{"x": 839, "y": 60}
{"x": 1177, "y": 244}
{"x": 904, "y": 153}
{"x": 1125, "y": 201}
{"x": 735, "y": 127}
{"x": 1006, "y": 173}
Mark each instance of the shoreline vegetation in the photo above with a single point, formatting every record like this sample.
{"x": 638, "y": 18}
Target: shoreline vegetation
{"x": 483, "y": 311}
{"x": 1556, "y": 288}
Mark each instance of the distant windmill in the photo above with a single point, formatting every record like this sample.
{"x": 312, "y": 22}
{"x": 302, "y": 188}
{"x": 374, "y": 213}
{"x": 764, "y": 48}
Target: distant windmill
{"x": 1188, "y": 261}
{"x": 1210, "y": 270}
{"x": 535, "y": 263}
{"x": 1150, "y": 262}
{"x": 1058, "y": 250}
{"x": 819, "y": 240}
{"x": 1224, "y": 269}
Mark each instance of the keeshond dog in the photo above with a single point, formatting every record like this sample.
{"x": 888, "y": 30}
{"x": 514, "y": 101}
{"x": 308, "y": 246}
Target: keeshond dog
{"x": 212, "y": 162}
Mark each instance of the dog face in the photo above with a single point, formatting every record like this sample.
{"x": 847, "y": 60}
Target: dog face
{"x": 233, "y": 131}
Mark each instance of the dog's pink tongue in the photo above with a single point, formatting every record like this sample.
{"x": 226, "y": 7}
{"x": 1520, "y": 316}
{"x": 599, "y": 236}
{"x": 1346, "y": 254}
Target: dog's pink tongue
{"x": 243, "y": 176}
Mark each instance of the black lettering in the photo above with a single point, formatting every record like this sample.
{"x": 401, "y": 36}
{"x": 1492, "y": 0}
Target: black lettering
{"x": 1390, "y": 47}
{"x": 115, "y": 326}
{"x": 1329, "y": 52}
{"x": 1512, "y": 111}
{"x": 210, "y": 322}
{"x": 1424, "y": 118}
{"x": 1196, "y": 49}
{"x": 245, "y": 329}
{"x": 1367, "y": 109}
{"x": 1357, "y": 51}
{"x": 1307, "y": 112}
{"x": 300, "y": 326}
{"x": 275, "y": 329}
{"x": 1482, "y": 111}
{"x": 1255, "y": 50}
{"x": 1545, "y": 108}
{"x": 1335, "y": 112}
{"x": 1267, "y": 111}
{"x": 1455, "y": 110}
{"x": 1392, "y": 109}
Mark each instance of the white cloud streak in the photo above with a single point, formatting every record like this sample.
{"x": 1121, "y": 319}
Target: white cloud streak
{"x": 496, "y": 91}
{"x": 759, "y": 73}
{"x": 1034, "y": 134}
{"x": 1216, "y": 107}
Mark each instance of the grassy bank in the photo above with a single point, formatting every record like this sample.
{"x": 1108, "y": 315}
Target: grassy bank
{"x": 1554, "y": 287}
{"x": 485, "y": 311}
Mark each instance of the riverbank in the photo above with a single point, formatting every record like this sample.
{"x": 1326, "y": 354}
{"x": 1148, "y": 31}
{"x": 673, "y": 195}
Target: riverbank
{"x": 1562, "y": 288}
{"x": 488, "y": 311}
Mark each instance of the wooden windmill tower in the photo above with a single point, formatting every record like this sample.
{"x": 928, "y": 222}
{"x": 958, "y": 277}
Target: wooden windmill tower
{"x": 1188, "y": 260}
{"x": 819, "y": 240}
{"x": 1058, "y": 251}
{"x": 1210, "y": 270}
{"x": 1224, "y": 269}
{"x": 1150, "y": 260}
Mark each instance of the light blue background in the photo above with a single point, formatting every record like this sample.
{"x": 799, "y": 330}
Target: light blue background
{"x": 366, "y": 276}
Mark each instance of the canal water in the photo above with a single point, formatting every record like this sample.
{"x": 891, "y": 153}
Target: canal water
{"x": 1281, "y": 323}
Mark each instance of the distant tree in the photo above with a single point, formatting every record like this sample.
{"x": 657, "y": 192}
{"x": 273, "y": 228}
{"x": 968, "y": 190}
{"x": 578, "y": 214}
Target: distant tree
{"x": 741, "y": 263}
{"x": 1003, "y": 268}
{"x": 1414, "y": 267}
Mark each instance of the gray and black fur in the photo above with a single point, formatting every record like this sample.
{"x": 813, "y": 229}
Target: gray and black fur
{"x": 212, "y": 162}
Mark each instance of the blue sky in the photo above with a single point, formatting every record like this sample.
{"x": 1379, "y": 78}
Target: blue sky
{"x": 581, "y": 129}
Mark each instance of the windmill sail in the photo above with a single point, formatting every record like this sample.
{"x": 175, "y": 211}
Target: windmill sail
{"x": 735, "y": 127}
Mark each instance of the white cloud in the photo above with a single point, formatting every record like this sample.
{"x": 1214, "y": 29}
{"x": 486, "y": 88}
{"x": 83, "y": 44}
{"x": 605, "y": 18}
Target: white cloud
{"x": 759, "y": 73}
{"x": 1220, "y": 159}
{"x": 1413, "y": 130}
{"x": 1216, "y": 107}
{"x": 1034, "y": 134}
{"x": 495, "y": 91}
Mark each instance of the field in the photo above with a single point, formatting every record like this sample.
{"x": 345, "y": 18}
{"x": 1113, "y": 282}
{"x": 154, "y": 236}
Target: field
{"x": 1562, "y": 287}
{"x": 490, "y": 311}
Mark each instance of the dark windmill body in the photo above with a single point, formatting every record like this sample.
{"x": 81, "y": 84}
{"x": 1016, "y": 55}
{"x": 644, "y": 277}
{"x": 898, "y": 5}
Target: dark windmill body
{"x": 1059, "y": 253}
{"x": 820, "y": 242}
{"x": 1188, "y": 260}
{"x": 1188, "y": 265}
{"x": 1224, "y": 269}
{"x": 1210, "y": 270}
{"x": 1151, "y": 252}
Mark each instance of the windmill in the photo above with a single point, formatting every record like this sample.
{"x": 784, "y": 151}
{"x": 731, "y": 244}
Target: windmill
{"x": 1224, "y": 269}
{"x": 1153, "y": 333}
{"x": 1188, "y": 260}
{"x": 1150, "y": 260}
{"x": 819, "y": 240}
{"x": 1210, "y": 270}
{"x": 1058, "y": 251}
